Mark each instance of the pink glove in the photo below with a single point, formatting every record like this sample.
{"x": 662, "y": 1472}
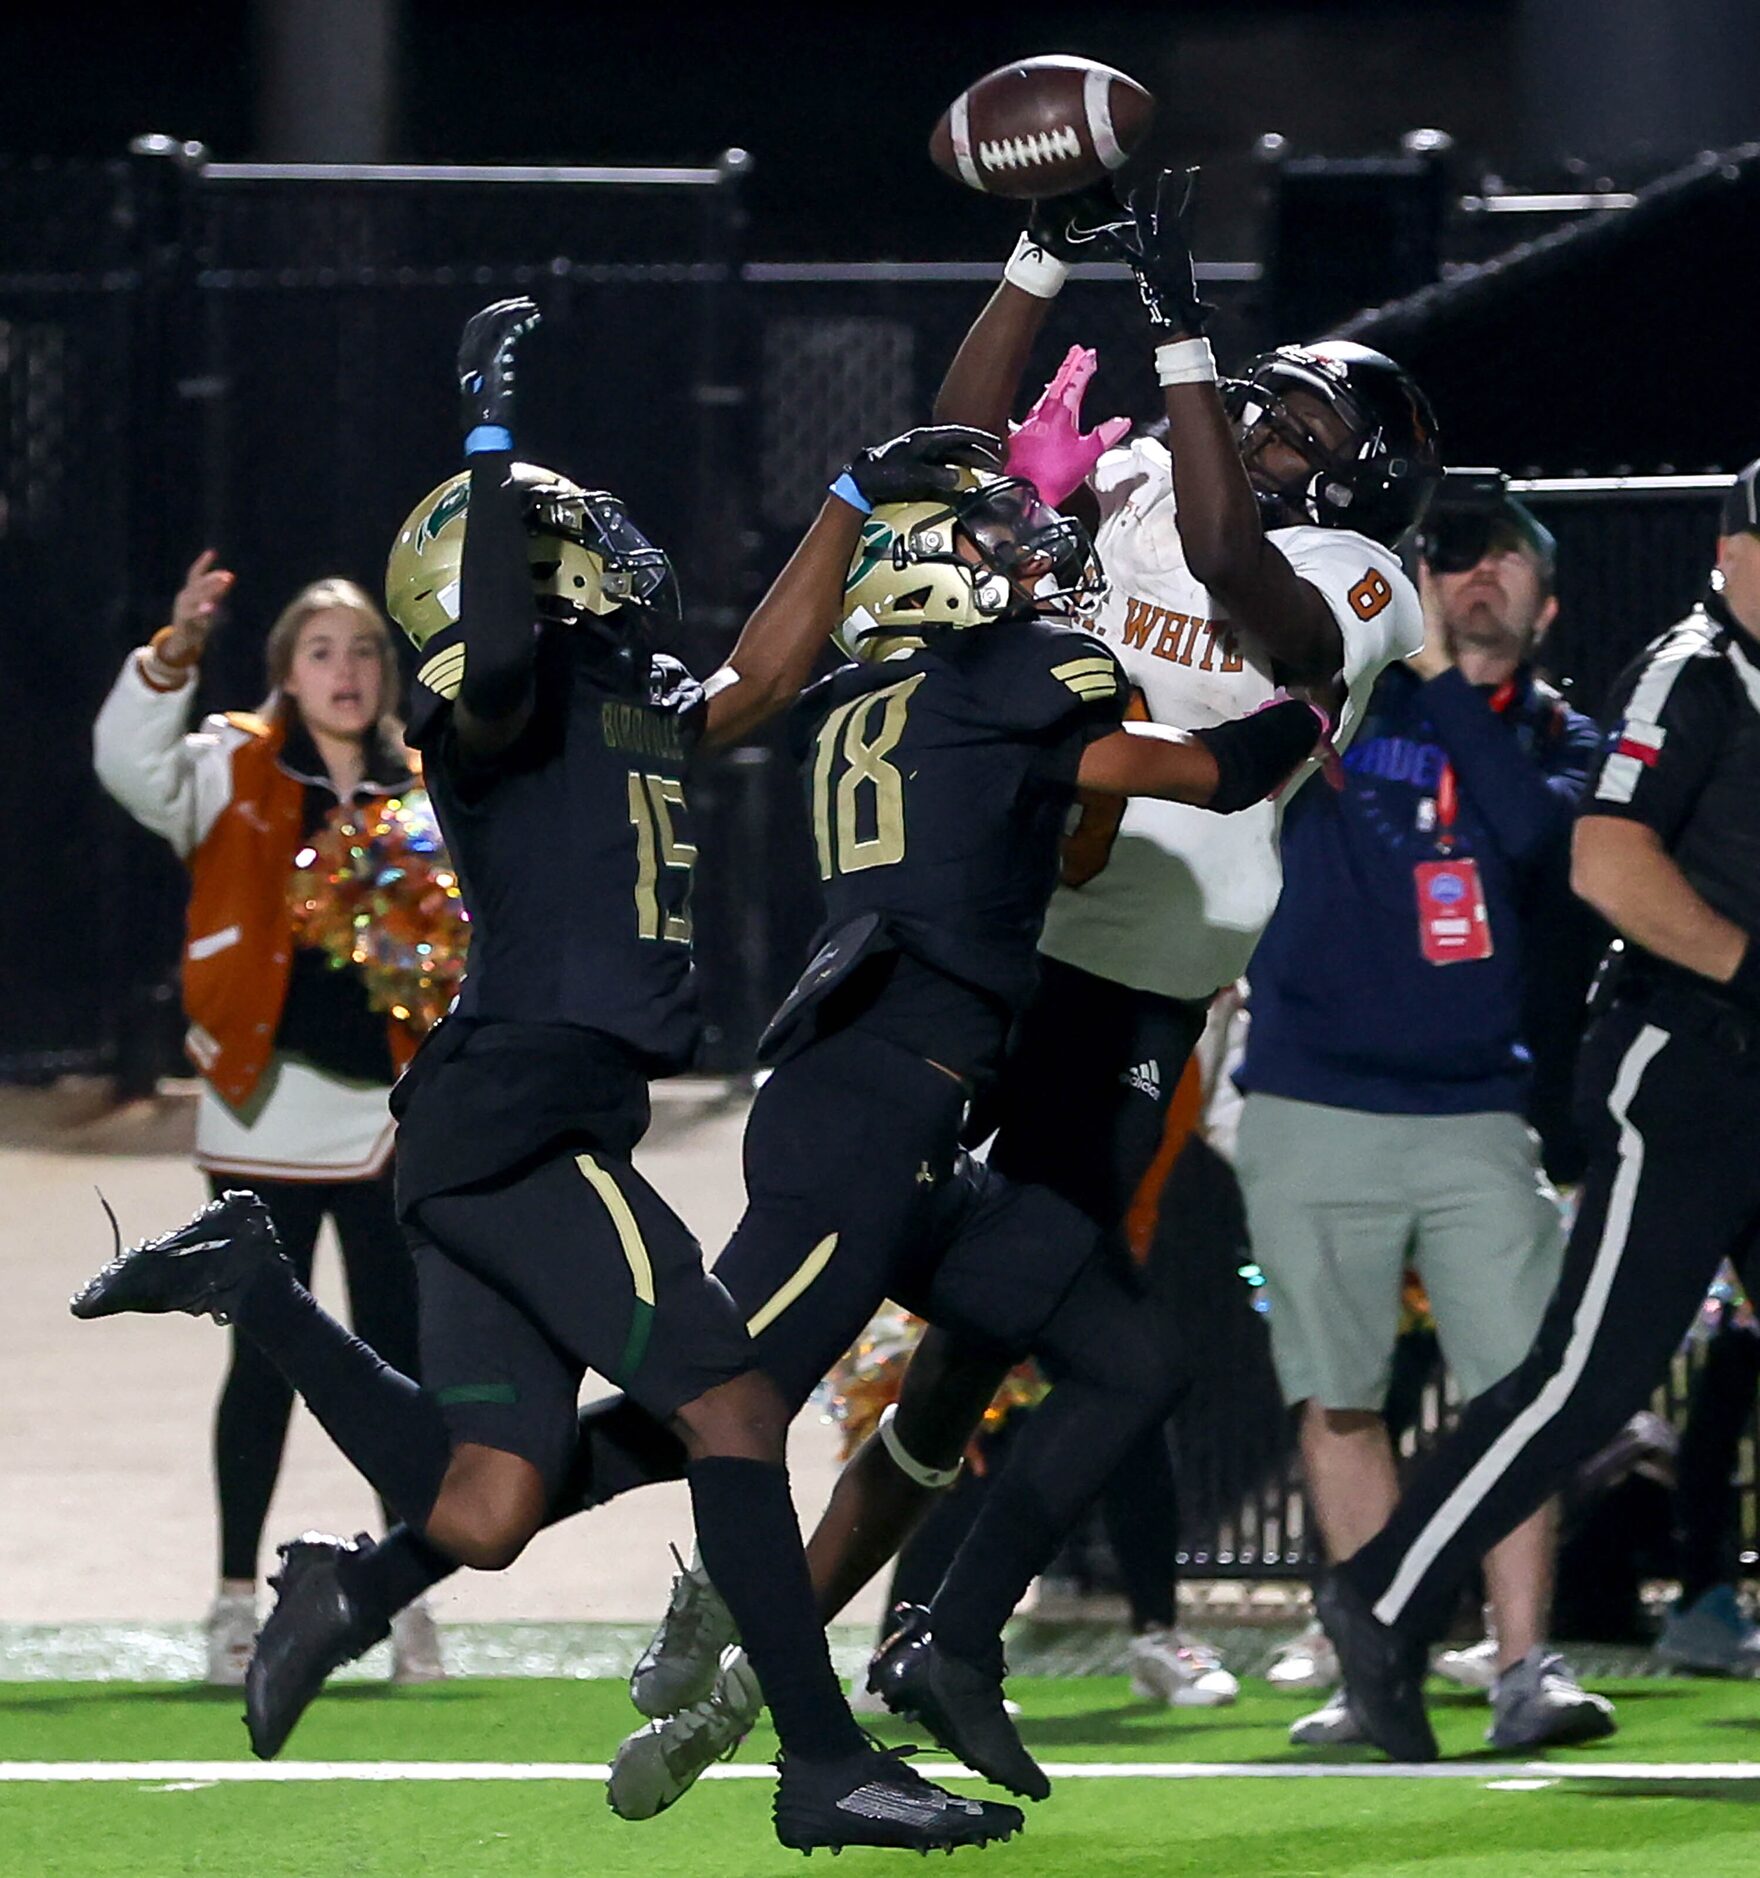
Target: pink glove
{"x": 1048, "y": 448}
{"x": 1331, "y": 763}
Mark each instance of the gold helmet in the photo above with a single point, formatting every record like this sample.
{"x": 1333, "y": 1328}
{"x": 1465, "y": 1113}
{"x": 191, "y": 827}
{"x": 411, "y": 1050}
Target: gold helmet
{"x": 588, "y": 558}
{"x": 987, "y": 552}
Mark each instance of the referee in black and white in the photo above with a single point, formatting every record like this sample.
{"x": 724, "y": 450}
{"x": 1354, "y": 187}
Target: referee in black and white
{"x": 1666, "y": 848}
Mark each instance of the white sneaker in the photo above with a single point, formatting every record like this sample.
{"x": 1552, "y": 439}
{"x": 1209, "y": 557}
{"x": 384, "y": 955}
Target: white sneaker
{"x": 678, "y": 1667}
{"x": 415, "y": 1645}
{"x": 1538, "y": 1702}
{"x": 1472, "y": 1668}
{"x": 231, "y": 1629}
{"x": 1307, "y": 1661}
{"x": 1334, "y": 1726}
{"x": 1168, "y": 1666}
{"x": 659, "y": 1764}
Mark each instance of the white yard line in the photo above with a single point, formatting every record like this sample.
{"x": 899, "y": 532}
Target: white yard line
{"x": 206, "y": 1772}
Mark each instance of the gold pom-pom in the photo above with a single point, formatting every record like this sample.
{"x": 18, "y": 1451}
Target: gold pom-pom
{"x": 377, "y": 891}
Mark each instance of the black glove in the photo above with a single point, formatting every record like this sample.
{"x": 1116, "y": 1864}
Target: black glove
{"x": 1152, "y": 243}
{"x": 1257, "y": 755}
{"x": 485, "y": 362}
{"x": 1073, "y": 228}
{"x": 918, "y": 466}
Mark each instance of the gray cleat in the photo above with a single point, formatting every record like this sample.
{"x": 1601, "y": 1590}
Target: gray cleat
{"x": 1539, "y": 1703}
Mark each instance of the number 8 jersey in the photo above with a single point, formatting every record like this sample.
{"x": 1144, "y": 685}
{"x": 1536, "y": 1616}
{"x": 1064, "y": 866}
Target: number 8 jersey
{"x": 939, "y": 784}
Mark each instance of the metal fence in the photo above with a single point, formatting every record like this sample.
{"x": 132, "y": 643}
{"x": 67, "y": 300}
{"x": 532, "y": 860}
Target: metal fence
{"x": 257, "y": 357}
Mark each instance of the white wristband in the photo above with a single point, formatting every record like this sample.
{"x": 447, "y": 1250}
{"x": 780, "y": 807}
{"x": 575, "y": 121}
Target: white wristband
{"x": 1185, "y": 362}
{"x": 1035, "y": 270}
{"x": 907, "y": 1464}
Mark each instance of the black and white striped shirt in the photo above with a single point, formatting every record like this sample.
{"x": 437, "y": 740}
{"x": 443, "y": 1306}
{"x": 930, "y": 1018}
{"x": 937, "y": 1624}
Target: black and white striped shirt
{"x": 1682, "y": 755}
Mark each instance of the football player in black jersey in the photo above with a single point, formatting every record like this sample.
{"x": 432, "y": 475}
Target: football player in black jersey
{"x": 555, "y": 751}
{"x": 939, "y": 768}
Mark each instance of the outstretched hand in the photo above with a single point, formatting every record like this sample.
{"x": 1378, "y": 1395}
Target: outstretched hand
{"x": 486, "y": 350}
{"x": 197, "y": 606}
{"x": 1049, "y": 447}
{"x": 922, "y": 463}
{"x": 1073, "y": 227}
{"x": 1154, "y": 245}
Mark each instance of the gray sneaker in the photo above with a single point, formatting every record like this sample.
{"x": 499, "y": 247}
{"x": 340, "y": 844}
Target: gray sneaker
{"x": 1538, "y": 1703}
{"x": 659, "y": 1764}
{"x": 1712, "y": 1636}
{"x": 1334, "y": 1726}
{"x": 678, "y": 1667}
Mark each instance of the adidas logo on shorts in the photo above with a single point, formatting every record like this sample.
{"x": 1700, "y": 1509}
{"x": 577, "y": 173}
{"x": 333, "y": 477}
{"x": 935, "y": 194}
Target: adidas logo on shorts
{"x": 1145, "y": 1078}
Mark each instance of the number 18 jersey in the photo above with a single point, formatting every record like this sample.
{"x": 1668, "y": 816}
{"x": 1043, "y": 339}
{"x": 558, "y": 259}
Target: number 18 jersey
{"x": 939, "y": 785}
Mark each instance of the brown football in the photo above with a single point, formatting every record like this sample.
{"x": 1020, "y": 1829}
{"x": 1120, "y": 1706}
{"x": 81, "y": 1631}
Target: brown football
{"x": 1042, "y": 127}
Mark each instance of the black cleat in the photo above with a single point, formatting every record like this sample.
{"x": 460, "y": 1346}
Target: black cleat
{"x": 315, "y": 1627}
{"x": 959, "y": 1704}
{"x": 199, "y": 1268}
{"x": 1383, "y": 1668}
{"x": 874, "y": 1798}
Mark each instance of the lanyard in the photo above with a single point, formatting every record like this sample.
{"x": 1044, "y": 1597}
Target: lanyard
{"x": 1448, "y": 794}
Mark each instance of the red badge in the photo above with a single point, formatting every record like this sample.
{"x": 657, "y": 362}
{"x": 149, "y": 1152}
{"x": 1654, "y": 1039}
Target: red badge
{"x": 1452, "y": 921}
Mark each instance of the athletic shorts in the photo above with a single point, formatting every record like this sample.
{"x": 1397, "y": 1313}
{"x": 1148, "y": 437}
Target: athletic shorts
{"x": 1082, "y": 1103}
{"x": 857, "y": 1192}
{"x": 1340, "y": 1202}
{"x": 575, "y": 1264}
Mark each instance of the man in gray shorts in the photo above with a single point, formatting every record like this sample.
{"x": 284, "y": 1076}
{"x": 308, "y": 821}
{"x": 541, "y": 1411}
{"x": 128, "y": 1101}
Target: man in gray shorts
{"x": 1386, "y": 1071}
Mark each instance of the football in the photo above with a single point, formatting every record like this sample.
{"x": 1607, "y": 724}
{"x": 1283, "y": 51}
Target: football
{"x": 1042, "y": 127}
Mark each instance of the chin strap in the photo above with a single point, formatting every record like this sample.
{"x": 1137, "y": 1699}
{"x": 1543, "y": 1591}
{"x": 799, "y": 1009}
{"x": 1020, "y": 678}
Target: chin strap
{"x": 934, "y": 1478}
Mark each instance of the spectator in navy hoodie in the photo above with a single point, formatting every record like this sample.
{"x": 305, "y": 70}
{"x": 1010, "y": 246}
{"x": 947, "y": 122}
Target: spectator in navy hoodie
{"x": 1386, "y": 1070}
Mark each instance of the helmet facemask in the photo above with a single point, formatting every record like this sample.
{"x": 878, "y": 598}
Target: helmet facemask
{"x": 1376, "y": 478}
{"x": 1260, "y": 415}
{"x": 991, "y": 553}
{"x": 593, "y": 567}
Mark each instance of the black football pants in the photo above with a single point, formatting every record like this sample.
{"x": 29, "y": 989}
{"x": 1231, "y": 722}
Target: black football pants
{"x": 1671, "y": 1093}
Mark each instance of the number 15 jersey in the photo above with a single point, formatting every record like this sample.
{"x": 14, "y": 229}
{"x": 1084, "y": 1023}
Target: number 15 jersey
{"x": 939, "y": 785}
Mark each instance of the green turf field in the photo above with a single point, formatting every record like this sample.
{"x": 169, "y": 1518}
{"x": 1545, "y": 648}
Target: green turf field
{"x": 192, "y": 1820}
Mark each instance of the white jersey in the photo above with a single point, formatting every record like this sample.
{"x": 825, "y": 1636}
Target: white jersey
{"x": 1182, "y": 901}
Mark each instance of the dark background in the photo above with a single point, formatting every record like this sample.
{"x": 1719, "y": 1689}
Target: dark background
{"x": 188, "y": 357}
{"x": 835, "y": 104}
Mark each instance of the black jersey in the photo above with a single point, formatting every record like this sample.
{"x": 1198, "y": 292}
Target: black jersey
{"x": 574, "y": 855}
{"x": 1682, "y": 755}
{"x": 938, "y": 788}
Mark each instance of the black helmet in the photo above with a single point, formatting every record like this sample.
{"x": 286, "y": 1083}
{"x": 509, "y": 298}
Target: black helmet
{"x": 1379, "y": 481}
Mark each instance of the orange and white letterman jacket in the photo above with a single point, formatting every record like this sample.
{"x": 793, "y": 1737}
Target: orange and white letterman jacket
{"x": 234, "y": 814}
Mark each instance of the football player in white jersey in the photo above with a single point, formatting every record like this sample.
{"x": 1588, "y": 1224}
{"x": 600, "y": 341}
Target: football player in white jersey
{"x": 1250, "y": 548}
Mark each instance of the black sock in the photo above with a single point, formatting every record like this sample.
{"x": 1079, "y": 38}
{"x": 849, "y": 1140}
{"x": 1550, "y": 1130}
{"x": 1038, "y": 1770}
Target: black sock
{"x": 1064, "y": 1453}
{"x": 751, "y": 1547}
{"x": 383, "y": 1423}
{"x": 1017, "y": 1535}
{"x": 394, "y": 1573}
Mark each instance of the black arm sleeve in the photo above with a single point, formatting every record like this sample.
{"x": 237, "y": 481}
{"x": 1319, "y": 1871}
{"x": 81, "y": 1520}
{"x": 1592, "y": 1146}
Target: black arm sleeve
{"x": 1254, "y": 754}
{"x": 495, "y": 595}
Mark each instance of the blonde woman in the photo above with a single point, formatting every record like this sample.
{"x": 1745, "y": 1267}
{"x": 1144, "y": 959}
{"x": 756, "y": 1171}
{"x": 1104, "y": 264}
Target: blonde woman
{"x": 295, "y": 1065}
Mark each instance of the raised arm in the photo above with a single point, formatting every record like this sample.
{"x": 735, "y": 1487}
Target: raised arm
{"x": 1217, "y": 514}
{"x": 495, "y": 610}
{"x": 982, "y": 386}
{"x": 140, "y": 747}
{"x": 774, "y": 655}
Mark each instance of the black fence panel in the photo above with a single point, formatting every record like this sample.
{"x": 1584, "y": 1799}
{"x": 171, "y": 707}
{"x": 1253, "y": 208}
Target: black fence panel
{"x": 259, "y": 360}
